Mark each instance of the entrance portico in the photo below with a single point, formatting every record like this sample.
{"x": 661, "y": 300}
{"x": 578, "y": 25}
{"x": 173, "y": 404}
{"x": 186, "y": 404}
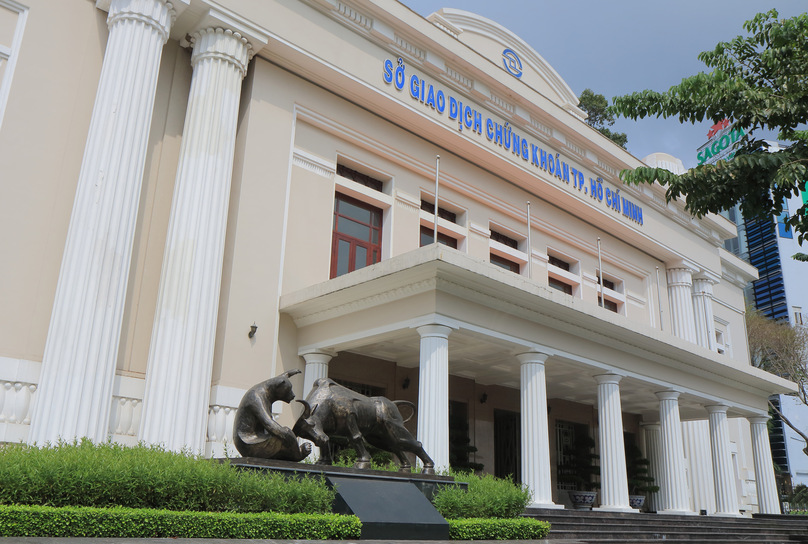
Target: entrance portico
{"x": 451, "y": 316}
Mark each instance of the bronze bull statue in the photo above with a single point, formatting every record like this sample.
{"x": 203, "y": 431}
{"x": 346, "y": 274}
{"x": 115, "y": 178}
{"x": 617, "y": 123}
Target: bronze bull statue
{"x": 333, "y": 410}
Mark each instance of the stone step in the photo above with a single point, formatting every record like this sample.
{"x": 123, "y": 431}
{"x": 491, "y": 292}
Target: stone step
{"x": 749, "y": 526}
{"x": 672, "y": 529}
{"x": 604, "y": 527}
{"x": 698, "y": 536}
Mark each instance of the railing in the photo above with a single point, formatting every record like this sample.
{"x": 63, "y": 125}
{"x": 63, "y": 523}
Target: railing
{"x": 795, "y": 508}
{"x": 219, "y": 441}
{"x": 125, "y": 419}
{"x": 16, "y": 401}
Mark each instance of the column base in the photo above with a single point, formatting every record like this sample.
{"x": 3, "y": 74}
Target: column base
{"x": 677, "y": 513}
{"x": 548, "y": 505}
{"x": 727, "y": 515}
{"x": 627, "y": 509}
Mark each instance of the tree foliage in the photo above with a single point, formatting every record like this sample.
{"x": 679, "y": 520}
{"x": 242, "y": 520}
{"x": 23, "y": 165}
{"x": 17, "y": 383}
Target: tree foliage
{"x": 759, "y": 82}
{"x": 779, "y": 348}
{"x": 600, "y": 117}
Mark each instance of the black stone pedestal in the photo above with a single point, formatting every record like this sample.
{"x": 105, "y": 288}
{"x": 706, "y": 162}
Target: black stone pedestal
{"x": 388, "y": 509}
{"x": 390, "y": 505}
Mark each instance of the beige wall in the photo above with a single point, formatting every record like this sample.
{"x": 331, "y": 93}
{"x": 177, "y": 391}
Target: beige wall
{"x": 41, "y": 144}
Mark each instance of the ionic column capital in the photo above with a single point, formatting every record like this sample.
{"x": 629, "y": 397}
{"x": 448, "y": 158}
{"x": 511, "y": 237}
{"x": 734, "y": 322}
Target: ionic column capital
{"x": 157, "y": 14}
{"x": 667, "y": 395}
{"x": 603, "y": 379}
{"x": 535, "y": 357}
{"x": 679, "y": 276}
{"x": 438, "y": 331}
{"x": 717, "y": 409}
{"x": 318, "y": 357}
{"x": 759, "y": 420}
{"x": 703, "y": 287}
{"x": 222, "y": 44}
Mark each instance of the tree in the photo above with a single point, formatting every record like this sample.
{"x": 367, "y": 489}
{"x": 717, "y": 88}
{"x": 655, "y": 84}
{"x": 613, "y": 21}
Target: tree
{"x": 779, "y": 348}
{"x": 600, "y": 117}
{"x": 758, "y": 82}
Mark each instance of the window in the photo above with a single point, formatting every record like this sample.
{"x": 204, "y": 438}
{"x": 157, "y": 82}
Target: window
{"x": 719, "y": 342}
{"x": 12, "y": 22}
{"x": 504, "y": 239}
{"x": 428, "y": 236}
{"x": 563, "y": 265}
{"x": 504, "y": 249}
{"x": 610, "y": 302}
{"x": 798, "y": 315}
{"x": 363, "y": 388}
{"x": 502, "y": 262}
{"x": 443, "y": 213}
{"x": 563, "y": 273}
{"x": 357, "y": 235}
{"x": 359, "y": 177}
{"x": 560, "y": 285}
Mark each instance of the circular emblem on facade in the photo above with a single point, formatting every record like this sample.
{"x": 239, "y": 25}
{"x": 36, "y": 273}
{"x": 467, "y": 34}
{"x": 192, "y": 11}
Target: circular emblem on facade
{"x": 512, "y": 62}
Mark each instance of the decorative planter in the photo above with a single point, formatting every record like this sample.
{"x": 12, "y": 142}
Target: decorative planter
{"x": 583, "y": 500}
{"x": 636, "y": 501}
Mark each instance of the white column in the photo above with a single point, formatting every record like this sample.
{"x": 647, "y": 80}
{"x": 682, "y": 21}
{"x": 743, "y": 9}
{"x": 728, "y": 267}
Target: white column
{"x": 433, "y": 393}
{"x": 613, "y": 477}
{"x": 673, "y": 492}
{"x": 181, "y": 354}
{"x": 703, "y": 312}
{"x": 768, "y": 501}
{"x": 696, "y": 436}
{"x": 653, "y": 451}
{"x": 316, "y": 368}
{"x": 681, "y": 300}
{"x": 78, "y": 367}
{"x": 726, "y": 501}
{"x": 535, "y": 430}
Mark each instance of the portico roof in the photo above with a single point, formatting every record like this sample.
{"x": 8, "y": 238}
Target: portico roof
{"x": 497, "y": 314}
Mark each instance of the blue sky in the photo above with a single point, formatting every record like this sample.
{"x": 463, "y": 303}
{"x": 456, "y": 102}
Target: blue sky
{"x": 620, "y": 46}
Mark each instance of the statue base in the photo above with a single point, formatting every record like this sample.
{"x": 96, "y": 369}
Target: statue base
{"x": 390, "y": 505}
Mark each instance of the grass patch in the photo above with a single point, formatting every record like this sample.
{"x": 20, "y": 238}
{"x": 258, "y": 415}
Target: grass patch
{"x": 106, "y": 475}
{"x": 487, "y": 497}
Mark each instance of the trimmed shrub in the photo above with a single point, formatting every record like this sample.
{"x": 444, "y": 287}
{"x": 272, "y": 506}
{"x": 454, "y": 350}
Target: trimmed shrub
{"x": 498, "y": 529}
{"x": 45, "y": 521}
{"x": 104, "y": 475}
{"x": 487, "y": 497}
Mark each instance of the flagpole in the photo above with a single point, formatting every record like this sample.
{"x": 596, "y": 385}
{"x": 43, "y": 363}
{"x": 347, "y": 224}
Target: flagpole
{"x": 529, "y": 245}
{"x": 659, "y": 300}
{"x": 600, "y": 275}
{"x": 437, "y": 177}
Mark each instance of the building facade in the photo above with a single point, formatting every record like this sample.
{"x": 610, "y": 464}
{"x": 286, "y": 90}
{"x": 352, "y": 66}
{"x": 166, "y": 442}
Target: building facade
{"x": 175, "y": 173}
{"x": 778, "y": 293}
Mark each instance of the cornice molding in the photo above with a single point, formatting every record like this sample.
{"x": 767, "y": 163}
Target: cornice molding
{"x": 312, "y": 163}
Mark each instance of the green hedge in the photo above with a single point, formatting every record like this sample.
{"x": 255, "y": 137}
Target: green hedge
{"x": 46, "y": 521}
{"x": 487, "y": 497}
{"x": 498, "y": 529}
{"x": 105, "y": 475}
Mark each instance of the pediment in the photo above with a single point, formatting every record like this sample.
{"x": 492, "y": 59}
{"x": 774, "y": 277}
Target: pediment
{"x": 510, "y": 53}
